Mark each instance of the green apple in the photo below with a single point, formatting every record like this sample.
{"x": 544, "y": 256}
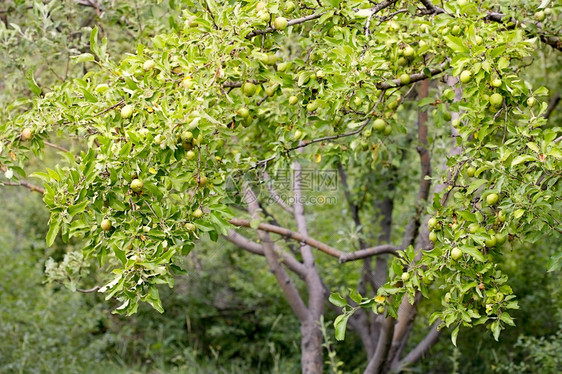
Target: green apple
{"x": 282, "y": 67}
{"x": 404, "y": 78}
{"x": 531, "y": 101}
{"x": 496, "y": 99}
{"x": 405, "y": 276}
{"x": 465, "y": 77}
{"x": 471, "y": 171}
{"x": 492, "y": 198}
{"x": 312, "y": 106}
{"x": 260, "y": 6}
{"x": 387, "y": 130}
{"x": 491, "y": 242}
{"x": 496, "y": 82}
{"x": 197, "y": 213}
{"x": 243, "y": 112}
{"x": 409, "y": 52}
{"x": 105, "y": 225}
{"x": 501, "y": 216}
{"x": 289, "y": 7}
{"x": 379, "y": 125}
{"x": 280, "y": 23}
{"x": 473, "y": 227}
{"x": 148, "y": 65}
{"x": 456, "y": 253}
{"x": 478, "y": 40}
{"x": 540, "y": 16}
{"x": 432, "y": 236}
{"x": 297, "y": 135}
{"x": 126, "y": 111}
{"x": 456, "y": 30}
{"x": 431, "y": 223}
{"x": 293, "y": 100}
{"x": 190, "y": 227}
{"x": 249, "y": 89}
{"x": 26, "y": 134}
{"x": 190, "y": 155}
{"x": 136, "y": 185}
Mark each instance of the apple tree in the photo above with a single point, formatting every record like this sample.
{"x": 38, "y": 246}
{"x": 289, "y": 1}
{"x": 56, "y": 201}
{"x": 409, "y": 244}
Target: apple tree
{"x": 184, "y": 136}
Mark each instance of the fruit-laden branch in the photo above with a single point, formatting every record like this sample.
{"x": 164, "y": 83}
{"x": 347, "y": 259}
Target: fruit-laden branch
{"x": 377, "y": 8}
{"x": 292, "y": 22}
{"x": 341, "y": 256}
{"x": 553, "y": 41}
{"x": 413, "y": 77}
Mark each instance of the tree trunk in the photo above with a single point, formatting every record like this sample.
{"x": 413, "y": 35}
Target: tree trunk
{"x": 311, "y": 347}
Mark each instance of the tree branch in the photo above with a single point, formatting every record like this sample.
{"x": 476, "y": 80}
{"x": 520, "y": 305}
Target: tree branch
{"x": 292, "y": 22}
{"x": 276, "y": 196}
{"x": 289, "y": 290}
{"x": 25, "y": 184}
{"x": 413, "y": 77}
{"x": 342, "y": 256}
{"x": 421, "y": 349}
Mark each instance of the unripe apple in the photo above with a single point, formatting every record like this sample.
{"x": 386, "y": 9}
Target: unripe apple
{"x": 491, "y": 242}
{"x": 260, "y": 6}
{"x": 456, "y": 30}
{"x": 380, "y": 309}
{"x": 547, "y": 11}
{"x": 461, "y": 3}
{"x": 270, "y": 91}
{"x": 496, "y": 99}
{"x": 243, "y": 112}
{"x": 496, "y": 82}
{"x": 405, "y": 276}
{"x": 473, "y": 227}
{"x": 470, "y": 171}
{"x": 501, "y": 216}
{"x": 312, "y": 106}
{"x": 26, "y": 134}
{"x": 190, "y": 227}
{"x": 136, "y": 185}
{"x": 202, "y": 180}
{"x": 447, "y": 297}
{"x": 264, "y": 16}
{"x": 409, "y": 52}
{"x": 465, "y": 77}
{"x": 280, "y": 23}
{"x": 190, "y": 155}
{"x": 282, "y": 67}
{"x": 501, "y": 238}
{"x": 105, "y": 225}
{"x": 101, "y": 88}
{"x": 320, "y": 74}
{"x": 249, "y": 89}
{"x": 531, "y": 101}
{"x": 431, "y": 223}
{"x": 492, "y": 198}
{"x": 197, "y": 213}
{"x": 387, "y": 130}
{"x": 126, "y": 111}
{"x": 540, "y": 16}
{"x": 187, "y": 83}
{"x": 478, "y": 40}
{"x": 186, "y": 136}
{"x": 148, "y": 65}
{"x": 404, "y": 78}
{"x": 432, "y": 236}
{"x": 379, "y": 125}
{"x": 293, "y": 100}
{"x": 297, "y": 135}
{"x": 402, "y": 61}
{"x": 289, "y": 7}
{"x": 456, "y": 253}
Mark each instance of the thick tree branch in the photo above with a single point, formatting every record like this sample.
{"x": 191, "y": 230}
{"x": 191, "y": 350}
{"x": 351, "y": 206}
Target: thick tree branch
{"x": 378, "y": 359}
{"x": 551, "y": 105}
{"x": 289, "y": 290}
{"x": 286, "y": 259}
{"x": 421, "y": 349}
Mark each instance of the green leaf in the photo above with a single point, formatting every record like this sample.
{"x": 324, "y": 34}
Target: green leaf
{"x": 520, "y": 159}
{"x": 31, "y": 84}
{"x": 340, "y": 325}
{"x": 475, "y": 185}
{"x": 454, "y": 335}
{"x": 337, "y": 300}
{"x": 473, "y": 252}
{"x": 54, "y": 227}
{"x": 456, "y": 44}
